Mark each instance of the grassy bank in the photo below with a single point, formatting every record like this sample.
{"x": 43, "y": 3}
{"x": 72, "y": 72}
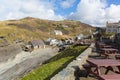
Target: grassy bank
{"x": 57, "y": 63}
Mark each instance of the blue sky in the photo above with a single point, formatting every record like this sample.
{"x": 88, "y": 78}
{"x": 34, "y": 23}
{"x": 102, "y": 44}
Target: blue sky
{"x": 68, "y": 10}
{"x": 93, "y": 12}
{"x": 116, "y": 2}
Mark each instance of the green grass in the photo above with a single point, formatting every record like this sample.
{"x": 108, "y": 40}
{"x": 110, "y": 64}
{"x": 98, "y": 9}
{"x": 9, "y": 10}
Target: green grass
{"x": 57, "y": 63}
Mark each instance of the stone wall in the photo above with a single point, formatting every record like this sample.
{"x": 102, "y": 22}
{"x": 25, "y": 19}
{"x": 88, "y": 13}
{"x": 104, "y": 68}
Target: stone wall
{"x": 70, "y": 72}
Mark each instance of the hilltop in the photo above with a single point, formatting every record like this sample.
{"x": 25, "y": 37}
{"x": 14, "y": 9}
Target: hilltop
{"x": 33, "y": 28}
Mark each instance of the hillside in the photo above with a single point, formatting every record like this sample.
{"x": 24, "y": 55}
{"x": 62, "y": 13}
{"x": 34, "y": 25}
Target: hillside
{"x": 33, "y": 28}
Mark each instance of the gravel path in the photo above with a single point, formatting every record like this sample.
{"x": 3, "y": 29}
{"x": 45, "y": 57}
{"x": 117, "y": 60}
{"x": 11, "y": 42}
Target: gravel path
{"x": 24, "y": 62}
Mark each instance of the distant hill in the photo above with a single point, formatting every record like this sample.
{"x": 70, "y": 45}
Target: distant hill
{"x": 33, "y": 28}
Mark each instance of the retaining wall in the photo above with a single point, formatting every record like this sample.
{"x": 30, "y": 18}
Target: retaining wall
{"x": 69, "y": 73}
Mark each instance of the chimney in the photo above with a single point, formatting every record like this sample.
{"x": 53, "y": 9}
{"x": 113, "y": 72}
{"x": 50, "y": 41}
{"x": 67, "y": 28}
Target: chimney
{"x": 106, "y": 23}
{"x": 119, "y": 21}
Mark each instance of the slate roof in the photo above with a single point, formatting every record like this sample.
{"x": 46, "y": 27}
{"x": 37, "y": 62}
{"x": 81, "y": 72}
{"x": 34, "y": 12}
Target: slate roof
{"x": 36, "y": 42}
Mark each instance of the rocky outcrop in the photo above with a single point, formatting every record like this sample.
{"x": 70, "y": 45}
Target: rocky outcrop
{"x": 9, "y": 52}
{"x": 24, "y": 62}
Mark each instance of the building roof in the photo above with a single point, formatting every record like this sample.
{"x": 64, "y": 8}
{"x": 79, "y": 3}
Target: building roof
{"x": 117, "y": 24}
{"x": 36, "y": 42}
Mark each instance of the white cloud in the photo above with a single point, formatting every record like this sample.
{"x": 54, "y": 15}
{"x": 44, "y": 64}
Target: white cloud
{"x": 113, "y": 12}
{"x": 67, "y": 3}
{"x": 23, "y": 8}
{"x": 96, "y": 12}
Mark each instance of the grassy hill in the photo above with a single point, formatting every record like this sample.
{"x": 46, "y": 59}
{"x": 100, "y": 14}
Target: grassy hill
{"x": 33, "y": 28}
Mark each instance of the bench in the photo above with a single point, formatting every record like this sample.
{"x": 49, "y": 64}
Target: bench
{"x": 110, "y": 77}
{"x": 87, "y": 67}
{"x": 117, "y": 57}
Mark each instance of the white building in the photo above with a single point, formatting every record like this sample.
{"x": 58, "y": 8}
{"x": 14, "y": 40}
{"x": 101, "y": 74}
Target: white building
{"x": 80, "y": 36}
{"x": 65, "y": 26}
{"x": 57, "y": 32}
{"x": 113, "y": 27}
{"x": 52, "y": 41}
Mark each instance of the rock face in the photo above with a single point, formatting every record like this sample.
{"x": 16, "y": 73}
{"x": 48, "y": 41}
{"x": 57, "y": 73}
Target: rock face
{"x": 24, "y": 62}
{"x": 9, "y": 52}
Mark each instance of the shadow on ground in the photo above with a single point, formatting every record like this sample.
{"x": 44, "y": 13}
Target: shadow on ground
{"x": 83, "y": 76}
{"x": 96, "y": 56}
